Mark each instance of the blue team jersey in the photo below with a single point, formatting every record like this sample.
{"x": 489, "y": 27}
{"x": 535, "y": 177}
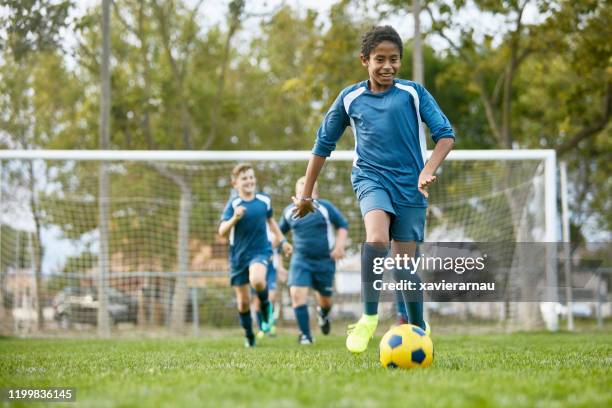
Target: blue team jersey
{"x": 390, "y": 145}
{"x": 249, "y": 238}
{"x": 314, "y": 234}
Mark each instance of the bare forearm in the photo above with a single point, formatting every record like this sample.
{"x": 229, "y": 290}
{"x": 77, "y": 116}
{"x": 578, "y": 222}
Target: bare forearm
{"x": 443, "y": 147}
{"x": 226, "y": 226}
{"x": 278, "y": 235}
{"x": 315, "y": 164}
{"x": 341, "y": 235}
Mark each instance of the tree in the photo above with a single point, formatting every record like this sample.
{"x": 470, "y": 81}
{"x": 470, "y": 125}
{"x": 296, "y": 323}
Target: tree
{"x": 32, "y": 27}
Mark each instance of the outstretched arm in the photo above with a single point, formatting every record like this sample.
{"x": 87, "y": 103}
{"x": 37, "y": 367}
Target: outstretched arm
{"x": 304, "y": 205}
{"x": 338, "y": 252}
{"x": 426, "y": 178}
{"x": 287, "y": 247}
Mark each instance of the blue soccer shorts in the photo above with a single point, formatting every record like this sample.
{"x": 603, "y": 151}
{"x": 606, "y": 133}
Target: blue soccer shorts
{"x": 240, "y": 275}
{"x": 316, "y": 274}
{"x": 270, "y": 277}
{"x": 407, "y": 223}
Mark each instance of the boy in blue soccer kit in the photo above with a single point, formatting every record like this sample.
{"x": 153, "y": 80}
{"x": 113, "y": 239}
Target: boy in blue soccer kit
{"x": 318, "y": 240}
{"x": 270, "y": 327}
{"x": 244, "y": 220}
{"x": 390, "y": 172}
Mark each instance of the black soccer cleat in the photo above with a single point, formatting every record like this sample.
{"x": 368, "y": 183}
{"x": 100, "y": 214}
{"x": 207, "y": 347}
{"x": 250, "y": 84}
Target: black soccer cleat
{"x": 249, "y": 341}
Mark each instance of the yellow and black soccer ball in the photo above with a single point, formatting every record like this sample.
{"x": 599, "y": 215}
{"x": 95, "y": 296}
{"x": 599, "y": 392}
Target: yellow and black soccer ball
{"x": 406, "y": 346}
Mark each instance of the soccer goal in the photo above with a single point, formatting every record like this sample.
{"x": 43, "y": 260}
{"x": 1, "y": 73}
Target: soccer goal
{"x": 156, "y": 261}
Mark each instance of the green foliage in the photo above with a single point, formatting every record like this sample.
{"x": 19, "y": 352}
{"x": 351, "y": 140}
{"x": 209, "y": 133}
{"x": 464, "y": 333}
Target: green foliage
{"x": 33, "y": 25}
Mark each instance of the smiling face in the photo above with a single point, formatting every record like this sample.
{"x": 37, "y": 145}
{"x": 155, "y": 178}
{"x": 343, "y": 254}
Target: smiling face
{"x": 245, "y": 183}
{"x": 383, "y": 64}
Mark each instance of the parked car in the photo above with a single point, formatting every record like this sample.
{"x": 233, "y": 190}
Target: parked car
{"x": 77, "y": 304}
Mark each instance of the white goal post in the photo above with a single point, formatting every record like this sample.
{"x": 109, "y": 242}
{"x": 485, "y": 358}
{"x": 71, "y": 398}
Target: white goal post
{"x": 548, "y": 156}
{"x": 545, "y": 191}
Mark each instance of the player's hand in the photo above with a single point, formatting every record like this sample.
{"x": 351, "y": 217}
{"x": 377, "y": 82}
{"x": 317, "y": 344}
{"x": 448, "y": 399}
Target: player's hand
{"x": 302, "y": 207}
{"x": 425, "y": 180}
{"x": 239, "y": 212}
{"x": 287, "y": 248}
{"x": 337, "y": 254}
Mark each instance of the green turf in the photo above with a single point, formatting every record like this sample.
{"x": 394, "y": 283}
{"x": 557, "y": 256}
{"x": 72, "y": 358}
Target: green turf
{"x": 525, "y": 369}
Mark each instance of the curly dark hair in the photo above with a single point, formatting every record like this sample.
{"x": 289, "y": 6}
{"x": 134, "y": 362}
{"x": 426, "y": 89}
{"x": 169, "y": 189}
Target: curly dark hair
{"x": 378, "y": 34}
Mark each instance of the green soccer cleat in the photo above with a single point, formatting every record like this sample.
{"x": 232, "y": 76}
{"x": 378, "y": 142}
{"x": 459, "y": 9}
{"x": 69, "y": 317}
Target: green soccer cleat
{"x": 427, "y": 329}
{"x": 360, "y": 333}
{"x": 272, "y": 332}
{"x": 267, "y": 325}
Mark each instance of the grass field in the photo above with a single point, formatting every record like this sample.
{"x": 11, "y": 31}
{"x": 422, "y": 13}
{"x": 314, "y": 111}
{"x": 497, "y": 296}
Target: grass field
{"x": 517, "y": 370}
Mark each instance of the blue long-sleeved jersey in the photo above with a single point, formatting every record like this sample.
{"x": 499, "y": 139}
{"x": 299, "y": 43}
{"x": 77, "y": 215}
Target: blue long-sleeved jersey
{"x": 389, "y": 135}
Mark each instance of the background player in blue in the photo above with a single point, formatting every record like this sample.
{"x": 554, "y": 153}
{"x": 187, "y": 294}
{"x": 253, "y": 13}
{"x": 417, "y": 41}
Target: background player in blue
{"x": 244, "y": 219}
{"x": 391, "y": 172}
{"x": 270, "y": 328}
{"x": 319, "y": 240}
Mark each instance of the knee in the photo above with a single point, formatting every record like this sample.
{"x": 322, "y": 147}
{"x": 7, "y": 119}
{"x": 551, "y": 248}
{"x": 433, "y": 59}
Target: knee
{"x": 296, "y": 301}
{"x": 243, "y": 305}
{"x": 325, "y": 302}
{"x": 258, "y": 285}
{"x": 378, "y": 237}
{"x": 298, "y": 298}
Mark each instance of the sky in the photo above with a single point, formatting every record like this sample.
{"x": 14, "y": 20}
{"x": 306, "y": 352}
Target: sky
{"x": 213, "y": 12}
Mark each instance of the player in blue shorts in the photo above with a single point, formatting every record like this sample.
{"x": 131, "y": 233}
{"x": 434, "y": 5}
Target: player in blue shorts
{"x": 270, "y": 328}
{"x": 245, "y": 219}
{"x": 319, "y": 240}
{"x": 390, "y": 172}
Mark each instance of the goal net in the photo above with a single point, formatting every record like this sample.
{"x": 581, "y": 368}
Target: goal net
{"x": 159, "y": 260}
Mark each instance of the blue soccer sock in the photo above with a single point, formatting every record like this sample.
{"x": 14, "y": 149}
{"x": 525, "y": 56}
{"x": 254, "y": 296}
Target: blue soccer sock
{"x": 265, "y": 303}
{"x": 412, "y": 299}
{"x": 263, "y": 294}
{"x": 246, "y": 321}
{"x": 301, "y": 315}
{"x": 369, "y": 295}
{"x": 259, "y": 316}
{"x": 400, "y": 307}
{"x": 324, "y": 311}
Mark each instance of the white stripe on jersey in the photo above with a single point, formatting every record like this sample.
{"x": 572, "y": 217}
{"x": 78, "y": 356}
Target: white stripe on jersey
{"x": 354, "y": 129}
{"x": 350, "y": 97}
{"x": 331, "y": 239}
{"x": 265, "y": 199}
{"x": 235, "y": 203}
{"x": 347, "y": 100}
{"x": 415, "y": 97}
